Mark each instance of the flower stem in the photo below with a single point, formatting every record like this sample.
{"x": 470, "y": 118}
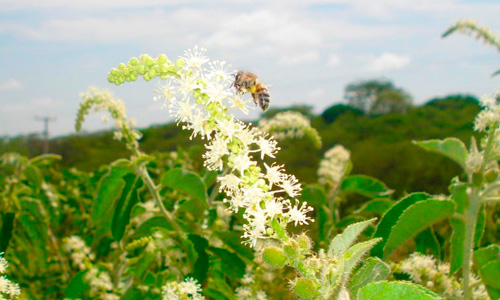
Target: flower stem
{"x": 153, "y": 189}
{"x": 470, "y": 226}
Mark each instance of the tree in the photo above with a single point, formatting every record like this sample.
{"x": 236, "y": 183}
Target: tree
{"x": 377, "y": 97}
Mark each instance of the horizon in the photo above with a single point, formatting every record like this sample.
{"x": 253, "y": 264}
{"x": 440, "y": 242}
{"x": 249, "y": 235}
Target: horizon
{"x": 53, "y": 51}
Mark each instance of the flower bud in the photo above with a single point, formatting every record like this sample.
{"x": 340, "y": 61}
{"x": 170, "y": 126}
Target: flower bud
{"x": 305, "y": 288}
{"x": 162, "y": 58}
{"x": 274, "y": 256}
{"x": 133, "y": 61}
{"x": 292, "y": 249}
{"x": 304, "y": 242}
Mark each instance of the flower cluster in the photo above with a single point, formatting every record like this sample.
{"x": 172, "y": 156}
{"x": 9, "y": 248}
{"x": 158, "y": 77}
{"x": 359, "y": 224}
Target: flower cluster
{"x": 188, "y": 289}
{"x": 425, "y": 270}
{"x": 490, "y": 115}
{"x": 81, "y": 255}
{"x": 250, "y": 289}
{"x": 470, "y": 27}
{"x": 290, "y": 124}
{"x": 334, "y": 166}
{"x": 97, "y": 100}
{"x": 100, "y": 284}
{"x": 198, "y": 95}
{"x": 8, "y": 289}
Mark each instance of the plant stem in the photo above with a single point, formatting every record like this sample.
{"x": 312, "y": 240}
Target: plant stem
{"x": 143, "y": 172}
{"x": 470, "y": 226}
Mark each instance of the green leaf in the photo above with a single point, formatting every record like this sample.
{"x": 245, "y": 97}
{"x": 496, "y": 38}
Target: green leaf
{"x": 232, "y": 239}
{"x": 233, "y": 266}
{"x": 140, "y": 264}
{"x": 365, "y": 185}
{"x": 391, "y": 217}
{"x": 373, "y": 269}
{"x": 496, "y": 73}
{"x": 187, "y": 182}
{"x": 150, "y": 226}
{"x": 123, "y": 207}
{"x": 201, "y": 266}
{"x": 132, "y": 293}
{"x": 355, "y": 253}
{"x": 416, "y": 218}
{"x": 6, "y": 231}
{"x": 395, "y": 290}
{"x": 34, "y": 175}
{"x": 485, "y": 255}
{"x": 344, "y": 240}
{"x": 427, "y": 240}
{"x": 77, "y": 286}
{"x": 314, "y": 195}
{"x": 480, "y": 226}
{"x": 109, "y": 190}
{"x": 377, "y": 206}
{"x": 490, "y": 273}
{"x": 450, "y": 147}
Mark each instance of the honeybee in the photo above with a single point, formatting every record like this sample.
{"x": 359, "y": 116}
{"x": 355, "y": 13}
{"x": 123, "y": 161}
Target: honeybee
{"x": 245, "y": 82}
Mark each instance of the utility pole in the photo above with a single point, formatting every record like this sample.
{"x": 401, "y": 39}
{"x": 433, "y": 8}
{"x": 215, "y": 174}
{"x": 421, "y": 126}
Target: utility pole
{"x": 46, "y": 121}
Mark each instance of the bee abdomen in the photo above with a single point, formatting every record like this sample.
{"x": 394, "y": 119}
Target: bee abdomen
{"x": 261, "y": 96}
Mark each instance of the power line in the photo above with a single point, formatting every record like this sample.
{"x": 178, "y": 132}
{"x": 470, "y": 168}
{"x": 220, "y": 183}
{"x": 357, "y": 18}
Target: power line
{"x": 46, "y": 121}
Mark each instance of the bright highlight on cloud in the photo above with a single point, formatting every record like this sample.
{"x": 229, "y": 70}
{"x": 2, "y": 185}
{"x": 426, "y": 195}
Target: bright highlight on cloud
{"x": 388, "y": 61}
{"x": 10, "y": 84}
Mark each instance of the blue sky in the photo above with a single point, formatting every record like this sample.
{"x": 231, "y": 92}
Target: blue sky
{"x": 307, "y": 51}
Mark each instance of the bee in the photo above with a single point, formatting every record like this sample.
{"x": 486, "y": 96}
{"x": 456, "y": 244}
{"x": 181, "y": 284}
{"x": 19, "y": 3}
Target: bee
{"x": 245, "y": 82}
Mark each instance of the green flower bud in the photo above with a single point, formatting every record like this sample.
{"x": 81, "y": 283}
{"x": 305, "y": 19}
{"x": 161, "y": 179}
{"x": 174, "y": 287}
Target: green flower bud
{"x": 111, "y": 78}
{"x": 162, "y": 58}
{"x": 121, "y": 66}
{"x": 180, "y": 63}
{"x": 305, "y": 288}
{"x": 141, "y": 69}
{"x": 147, "y": 77}
{"x": 304, "y": 242}
{"x": 152, "y": 73}
{"x": 274, "y": 256}
{"x": 144, "y": 57}
{"x": 133, "y": 61}
{"x": 292, "y": 249}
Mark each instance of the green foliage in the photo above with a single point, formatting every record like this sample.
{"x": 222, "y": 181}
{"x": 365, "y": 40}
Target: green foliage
{"x": 395, "y": 290}
{"x": 365, "y": 185}
{"x": 450, "y": 147}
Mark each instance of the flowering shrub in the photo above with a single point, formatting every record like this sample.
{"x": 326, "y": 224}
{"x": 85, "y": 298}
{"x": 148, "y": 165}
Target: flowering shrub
{"x": 167, "y": 226}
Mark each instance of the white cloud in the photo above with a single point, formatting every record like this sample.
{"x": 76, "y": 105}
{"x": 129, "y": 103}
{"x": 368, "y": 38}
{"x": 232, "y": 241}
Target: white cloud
{"x": 32, "y": 106}
{"x": 388, "y": 61}
{"x": 333, "y": 60}
{"x": 11, "y": 84}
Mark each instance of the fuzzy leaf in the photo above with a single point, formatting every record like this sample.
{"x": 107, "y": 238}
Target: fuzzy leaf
{"x": 344, "y": 240}
{"x": 450, "y": 147}
{"x": 373, "y": 269}
{"x": 377, "y": 206}
{"x": 187, "y": 182}
{"x": 416, "y": 218}
{"x": 355, "y": 253}
{"x": 394, "y": 290}
{"x": 391, "y": 217}
{"x": 365, "y": 185}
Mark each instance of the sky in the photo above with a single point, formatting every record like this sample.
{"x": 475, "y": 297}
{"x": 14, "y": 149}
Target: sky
{"x": 306, "y": 51}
